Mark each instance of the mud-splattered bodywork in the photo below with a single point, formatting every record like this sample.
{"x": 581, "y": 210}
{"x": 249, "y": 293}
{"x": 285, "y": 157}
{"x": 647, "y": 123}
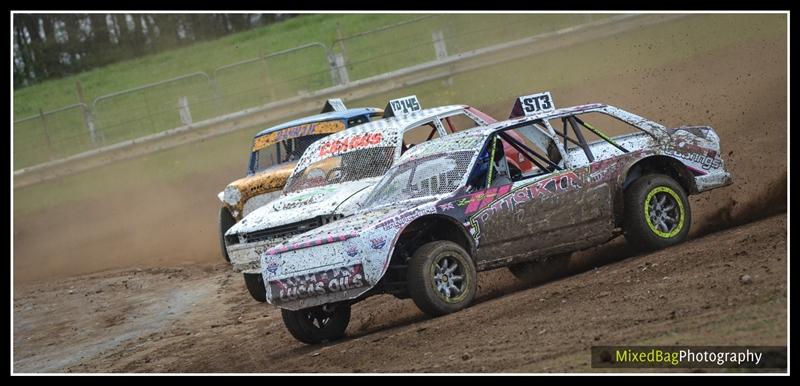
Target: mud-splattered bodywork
{"x": 264, "y": 183}
{"x": 573, "y": 207}
{"x": 361, "y": 155}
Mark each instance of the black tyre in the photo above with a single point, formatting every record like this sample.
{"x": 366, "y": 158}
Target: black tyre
{"x": 541, "y": 271}
{"x": 226, "y": 221}
{"x": 442, "y": 278}
{"x": 318, "y": 324}
{"x": 657, "y": 212}
{"x": 255, "y": 285}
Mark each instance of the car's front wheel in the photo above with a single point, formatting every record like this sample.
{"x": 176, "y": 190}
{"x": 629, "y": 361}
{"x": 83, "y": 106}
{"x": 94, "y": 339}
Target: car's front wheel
{"x": 657, "y": 212}
{"x": 255, "y": 285}
{"x": 226, "y": 221}
{"x": 318, "y": 324}
{"x": 442, "y": 278}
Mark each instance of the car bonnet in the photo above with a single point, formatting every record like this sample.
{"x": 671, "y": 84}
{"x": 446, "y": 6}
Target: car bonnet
{"x": 302, "y": 205}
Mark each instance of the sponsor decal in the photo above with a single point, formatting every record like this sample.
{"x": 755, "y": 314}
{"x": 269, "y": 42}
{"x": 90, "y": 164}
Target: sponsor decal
{"x": 324, "y": 127}
{"x": 378, "y": 243}
{"x": 318, "y": 283}
{"x": 446, "y": 206}
{"x": 481, "y": 199}
{"x": 303, "y": 199}
{"x": 476, "y": 200}
{"x": 706, "y": 158}
{"x": 508, "y": 200}
{"x": 404, "y": 218}
{"x": 343, "y": 145}
{"x": 352, "y": 251}
{"x": 705, "y": 162}
{"x": 310, "y": 243}
{"x": 272, "y": 267}
{"x": 603, "y": 170}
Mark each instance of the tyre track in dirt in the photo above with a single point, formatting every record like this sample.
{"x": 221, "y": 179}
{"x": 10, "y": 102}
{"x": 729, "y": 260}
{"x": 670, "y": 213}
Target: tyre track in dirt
{"x": 739, "y": 90}
{"x": 688, "y": 294}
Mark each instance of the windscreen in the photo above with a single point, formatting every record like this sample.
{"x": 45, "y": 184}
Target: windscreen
{"x": 282, "y": 152}
{"x": 289, "y": 144}
{"x": 422, "y": 177}
{"x": 350, "y": 166}
{"x": 354, "y": 154}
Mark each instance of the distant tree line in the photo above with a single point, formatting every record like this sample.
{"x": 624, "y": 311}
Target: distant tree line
{"x": 50, "y": 46}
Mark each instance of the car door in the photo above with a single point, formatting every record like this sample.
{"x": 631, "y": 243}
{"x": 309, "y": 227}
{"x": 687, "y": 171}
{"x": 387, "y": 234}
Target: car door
{"x": 598, "y": 161}
{"x": 539, "y": 213}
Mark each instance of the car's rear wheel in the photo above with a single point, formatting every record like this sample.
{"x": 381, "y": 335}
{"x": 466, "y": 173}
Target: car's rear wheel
{"x": 442, "y": 278}
{"x": 226, "y": 221}
{"x": 541, "y": 271}
{"x": 255, "y": 285}
{"x": 318, "y": 324}
{"x": 657, "y": 212}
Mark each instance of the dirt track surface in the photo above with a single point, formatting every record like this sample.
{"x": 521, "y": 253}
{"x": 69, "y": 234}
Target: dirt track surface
{"x": 190, "y": 314}
{"x": 200, "y": 319}
{"x": 740, "y": 91}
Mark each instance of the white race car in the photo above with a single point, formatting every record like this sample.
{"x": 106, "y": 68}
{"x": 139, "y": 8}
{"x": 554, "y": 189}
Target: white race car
{"x": 454, "y": 206}
{"x": 333, "y": 176}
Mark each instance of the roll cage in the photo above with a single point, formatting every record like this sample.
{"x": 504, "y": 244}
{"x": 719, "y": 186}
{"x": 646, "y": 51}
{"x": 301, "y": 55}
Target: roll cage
{"x": 547, "y": 163}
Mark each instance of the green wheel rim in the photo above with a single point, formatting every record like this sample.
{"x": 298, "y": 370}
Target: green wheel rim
{"x": 664, "y": 212}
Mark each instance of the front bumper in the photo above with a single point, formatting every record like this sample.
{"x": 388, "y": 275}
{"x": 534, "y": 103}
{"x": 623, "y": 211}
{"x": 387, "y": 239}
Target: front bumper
{"x": 247, "y": 257}
{"x": 325, "y": 285}
{"x": 712, "y": 181}
{"x": 325, "y": 271}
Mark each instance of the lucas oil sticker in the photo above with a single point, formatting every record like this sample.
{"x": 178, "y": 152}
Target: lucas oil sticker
{"x": 318, "y": 283}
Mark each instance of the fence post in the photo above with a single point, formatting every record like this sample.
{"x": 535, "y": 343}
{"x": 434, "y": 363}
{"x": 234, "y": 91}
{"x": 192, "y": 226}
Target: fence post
{"x": 341, "y": 68}
{"x": 46, "y": 136}
{"x": 439, "y": 45}
{"x": 183, "y": 110}
{"x": 216, "y": 95}
{"x": 339, "y": 38}
{"x": 332, "y": 67}
{"x": 88, "y": 119}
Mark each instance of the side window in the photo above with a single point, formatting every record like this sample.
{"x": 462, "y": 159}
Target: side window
{"x": 458, "y": 122}
{"x": 606, "y": 124}
{"x": 419, "y": 134}
{"x": 264, "y": 158}
{"x": 490, "y": 171}
{"x": 587, "y": 136}
{"x": 528, "y": 143}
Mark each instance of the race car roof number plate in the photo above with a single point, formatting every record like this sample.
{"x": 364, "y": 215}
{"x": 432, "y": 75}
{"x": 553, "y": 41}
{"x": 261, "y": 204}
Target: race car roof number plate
{"x": 333, "y": 104}
{"x": 533, "y": 104}
{"x": 402, "y": 106}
